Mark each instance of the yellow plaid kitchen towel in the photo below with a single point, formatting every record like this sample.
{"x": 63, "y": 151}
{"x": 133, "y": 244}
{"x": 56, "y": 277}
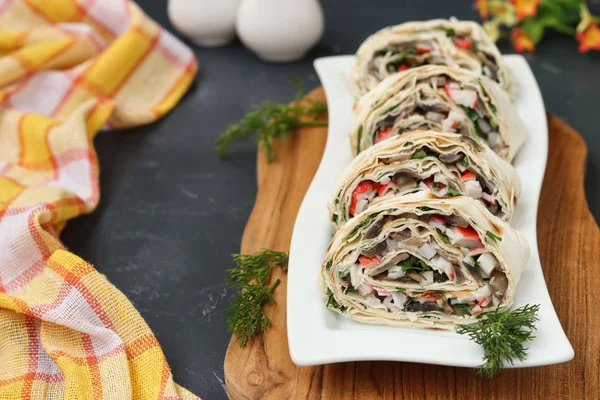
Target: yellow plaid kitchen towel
{"x": 67, "y": 69}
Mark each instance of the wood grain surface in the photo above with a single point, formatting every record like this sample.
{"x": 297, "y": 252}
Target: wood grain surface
{"x": 569, "y": 245}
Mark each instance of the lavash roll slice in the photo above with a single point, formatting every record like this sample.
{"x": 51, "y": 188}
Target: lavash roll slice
{"x": 445, "y": 164}
{"x": 424, "y": 262}
{"x": 442, "y": 99}
{"x": 454, "y": 43}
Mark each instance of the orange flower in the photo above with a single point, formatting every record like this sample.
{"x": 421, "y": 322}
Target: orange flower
{"x": 483, "y": 6}
{"x": 589, "y": 39}
{"x": 522, "y": 41}
{"x": 525, "y": 8}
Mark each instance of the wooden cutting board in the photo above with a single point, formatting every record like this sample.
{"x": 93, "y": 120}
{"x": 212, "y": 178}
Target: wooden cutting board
{"x": 569, "y": 245}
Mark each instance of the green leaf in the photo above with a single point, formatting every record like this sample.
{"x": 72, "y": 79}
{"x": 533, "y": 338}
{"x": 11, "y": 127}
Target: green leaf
{"x": 462, "y": 309}
{"x": 427, "y": 208}
{"x": 409, "y": 301}
{"x": 534, "y": 28}
{"x": 363, "y": 224}
{"x": 390, "y": 109}
{"x": 407, "y": 144}
{"x": 332, "y": 303}
{"x": 359, "y": 138}
{"x": 334, "y": 218}
{"x": 444, "y": 236}
{"x": 420, "y": 154}
{"x": 453, "y": 192}
{"x": 413, "y": 263}
{"x": 480, "y": 132}
{"x": 449, "y": 32}
{"x": 343, "y": 274}
{"x": 465, "y": 161}
{"x": 493, "y": 238}
{"x": 350, "y": 289}
{"x": 397, "y": 60}
{"x": 472, "y": 114}
{"x": 328, "y": 265}
{"x": 473, "y": 46}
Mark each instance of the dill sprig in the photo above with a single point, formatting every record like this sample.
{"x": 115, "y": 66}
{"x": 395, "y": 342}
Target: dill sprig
{"x": 245, "y": 316}
{"x": 502, "y": 334}
{"x": 273, "y": 121}
{"x": 255, "y": 267}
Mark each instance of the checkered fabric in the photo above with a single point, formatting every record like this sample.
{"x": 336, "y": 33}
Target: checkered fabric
{"x": 67, "y": 69}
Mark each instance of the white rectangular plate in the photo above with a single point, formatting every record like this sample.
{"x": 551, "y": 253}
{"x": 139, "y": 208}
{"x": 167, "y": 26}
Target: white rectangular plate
{"x": 317, "y": 335}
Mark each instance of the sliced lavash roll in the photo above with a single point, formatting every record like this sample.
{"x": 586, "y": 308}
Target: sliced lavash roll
{"x": 441, "y": 99}
{"x": 446, "y": 164}
{"x": 454, "y": 43}
{"x": 424, "y": 262}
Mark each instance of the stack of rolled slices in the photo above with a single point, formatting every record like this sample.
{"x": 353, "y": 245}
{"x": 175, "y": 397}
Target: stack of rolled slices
{"x": 422, "y": 212}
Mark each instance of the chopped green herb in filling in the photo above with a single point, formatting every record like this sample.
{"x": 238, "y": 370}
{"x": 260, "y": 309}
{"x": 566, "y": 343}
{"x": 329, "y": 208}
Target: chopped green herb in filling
{"x": 453, "y": 192}
{"x": 493, "y": 238}
{"x": 350, "y": 289}
{"x": 444, "y": 236}
{"x": 413, "y": 263}
{"x": 360, "y": 133}
{"x": 462, "y": 309}
{"x": 363, "y": 224}
{"x": 409, "y": 301}
{"x": 332, "y": 303}
{"x": 472, "y": 114}
{"x": 391, "y": 108}
{"x": 419, "y": 155}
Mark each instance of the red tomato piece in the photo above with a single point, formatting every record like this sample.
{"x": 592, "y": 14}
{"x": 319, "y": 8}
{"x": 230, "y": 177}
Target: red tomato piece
{"x": 380, "y": 187}
{"x": 383, "y": 134}
{"x": 468, "y": 232}
{"x": 463, "y": 43}
{"x": 452, "y": 274}
{"x": 363, "y": 187}
{"x": 428, "y": 181}
{"x": 448, "y": 91}
{"x": 364, "y": 260}
{"x": 439, "y": 219}
{"x": 468, "y": 176}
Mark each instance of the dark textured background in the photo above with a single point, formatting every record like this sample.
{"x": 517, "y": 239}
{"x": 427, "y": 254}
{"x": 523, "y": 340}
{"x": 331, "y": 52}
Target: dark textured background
{"x": 171, "y": 211}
